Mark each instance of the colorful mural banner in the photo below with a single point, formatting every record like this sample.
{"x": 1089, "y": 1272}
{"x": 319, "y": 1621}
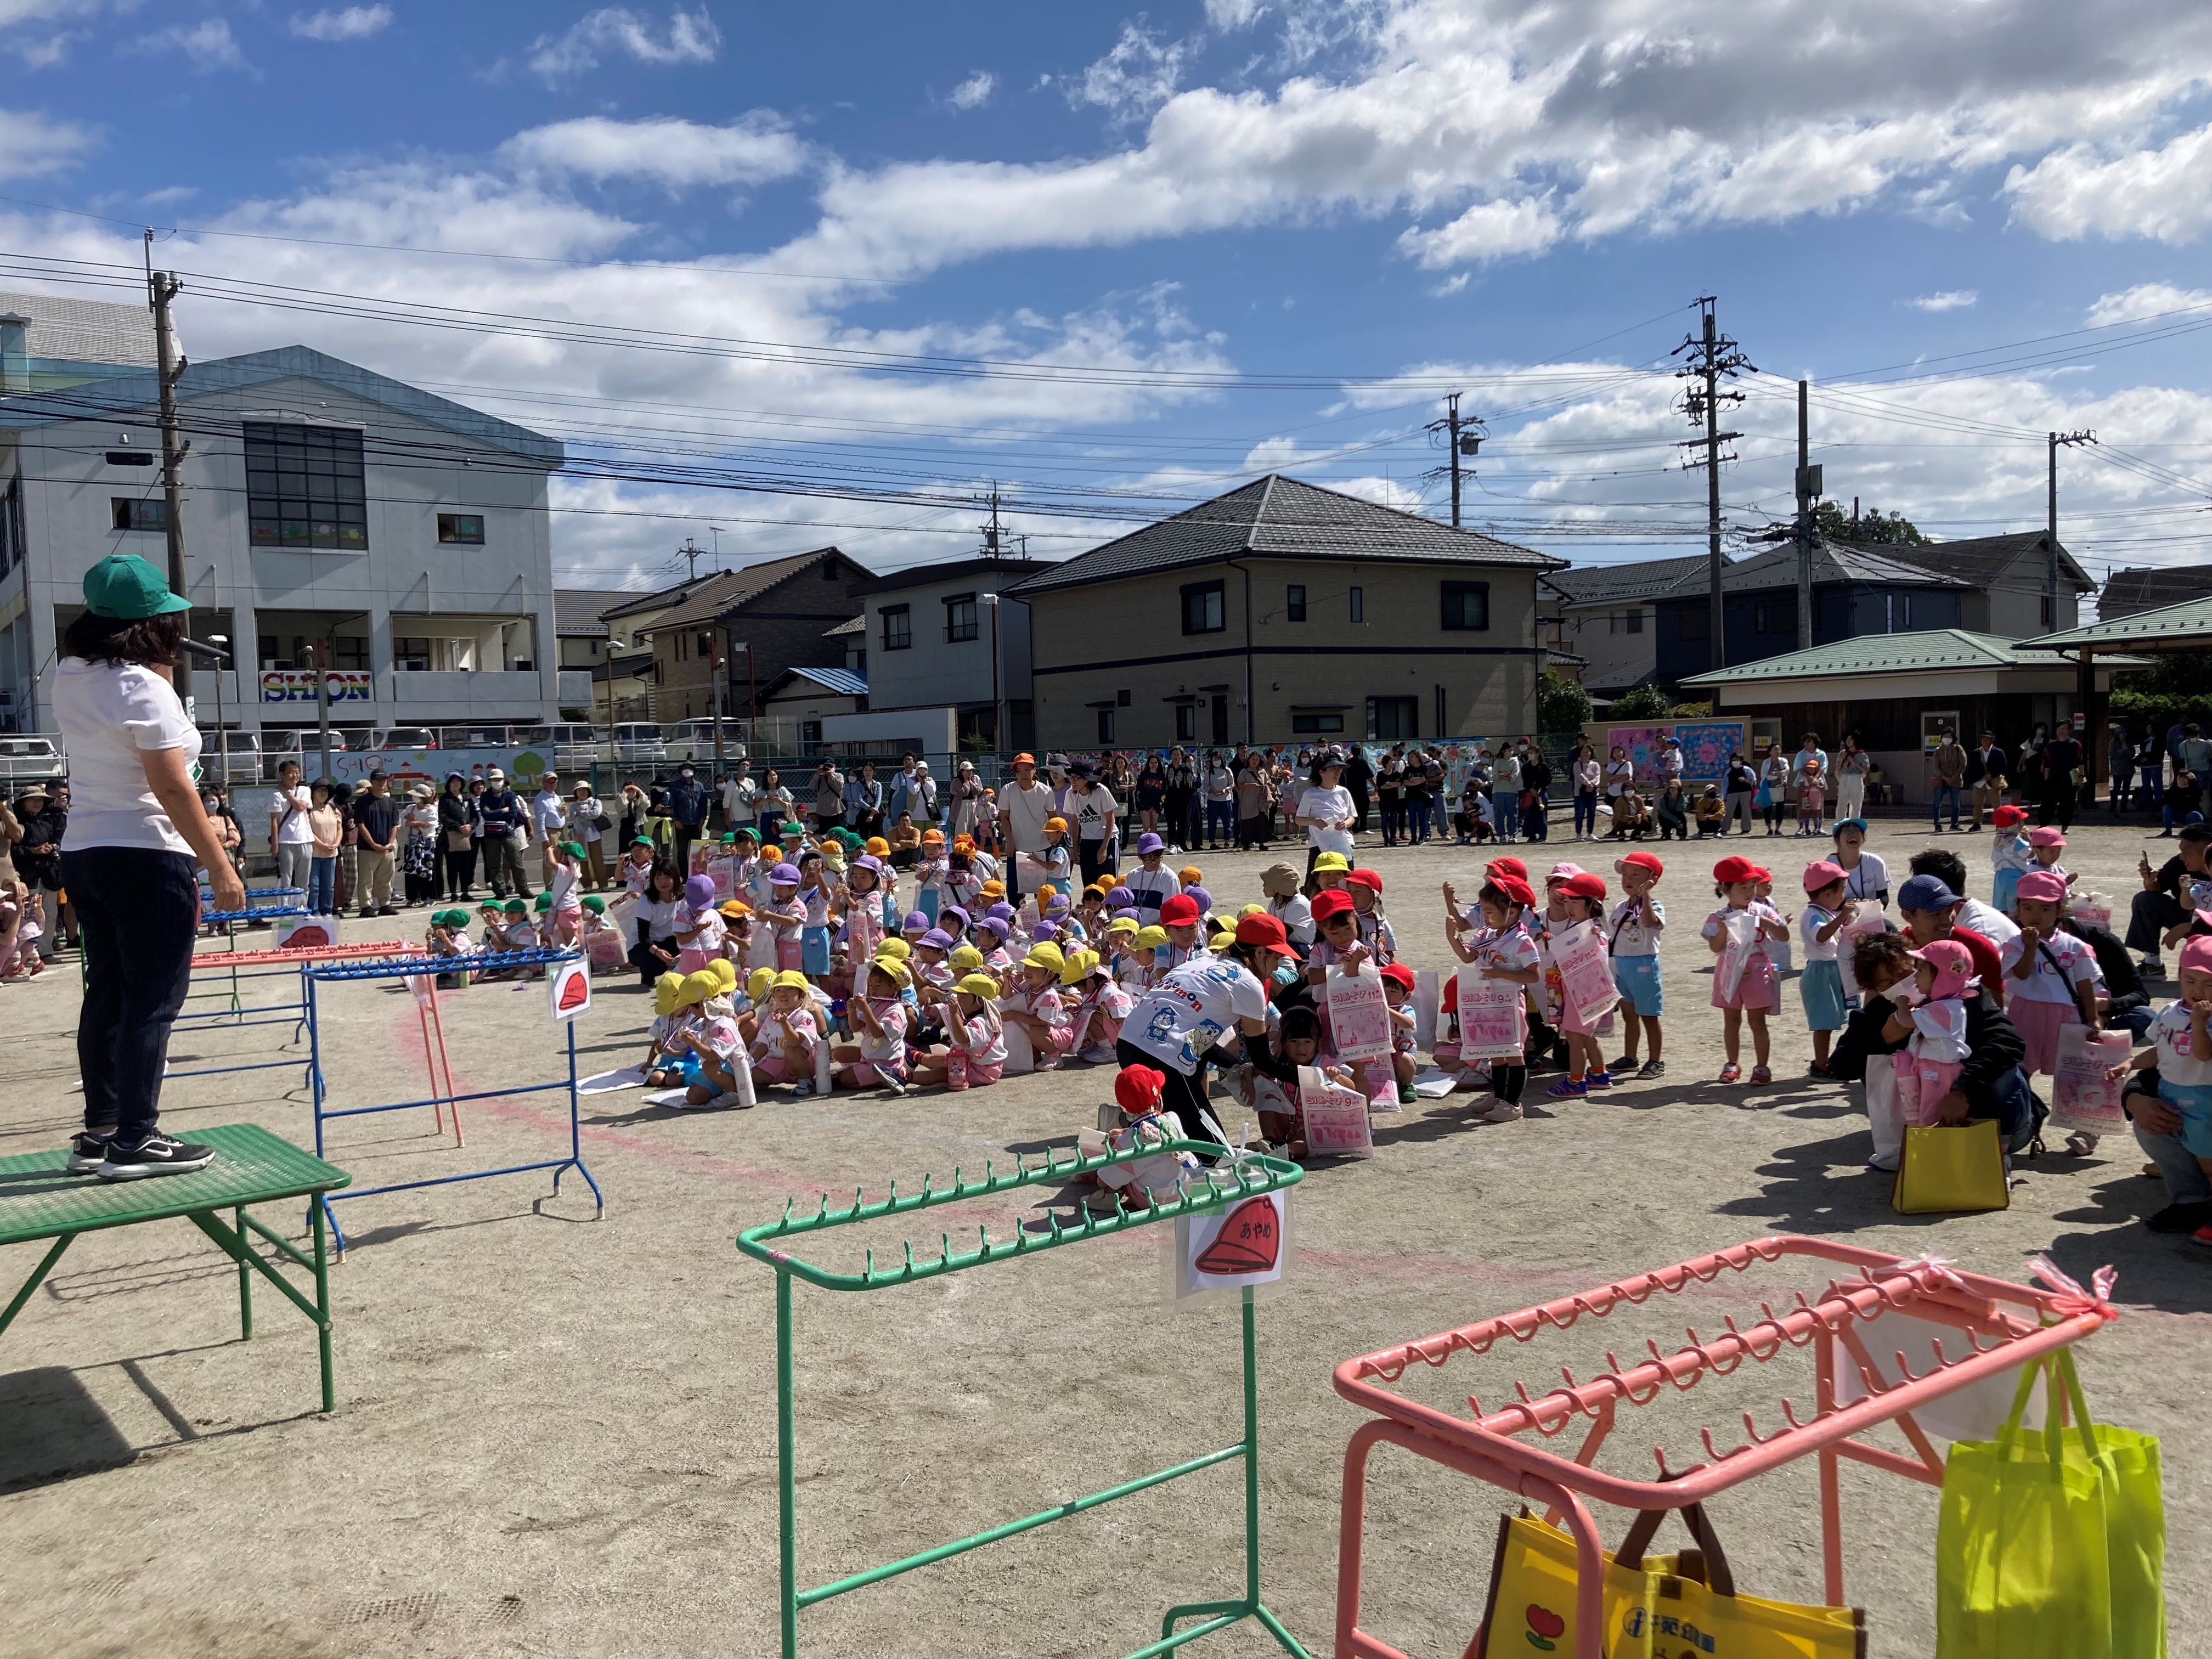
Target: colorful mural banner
{"x": 1706, "y": 746}
{"x": 408, "y": 767}
{"x": 1643, "y": 743}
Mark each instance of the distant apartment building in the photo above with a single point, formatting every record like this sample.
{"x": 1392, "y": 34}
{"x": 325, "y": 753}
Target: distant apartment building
{"x": 931, "y": 634}
{"x": 332, "y": 517}
{"x": 733, "y": 634}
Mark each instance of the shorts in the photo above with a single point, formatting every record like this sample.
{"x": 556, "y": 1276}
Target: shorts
{"x": 2037, "y": 1023}
{"x": 771, "y": 1068}
{"x": 814, "y": 951}
{"x": 1637, "y": 979}
{"x": 787, "y": 953}
{"x": 2194, "y": 1101}
{"x": 926, "y": 901}
{"x": 1758, "y": 989}
{"x": 2003, "y": 892}
{"x": 1821, "y": 988}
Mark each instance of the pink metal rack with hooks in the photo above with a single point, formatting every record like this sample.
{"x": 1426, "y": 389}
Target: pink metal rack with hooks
{"x": 2000, "y": 1325}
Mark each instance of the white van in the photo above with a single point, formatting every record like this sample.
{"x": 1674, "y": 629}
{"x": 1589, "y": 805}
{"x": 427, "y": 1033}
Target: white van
{"x": 694, "y": 740}
{"x": 572, "y": 747}
{"x": 639, "y": 740}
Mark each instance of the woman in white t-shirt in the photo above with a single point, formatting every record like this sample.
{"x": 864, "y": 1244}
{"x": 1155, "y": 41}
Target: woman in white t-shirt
{"x": 1178, "y": 1021}
{"x": 1326, "y": 810}
{"x": 138, "y": 835}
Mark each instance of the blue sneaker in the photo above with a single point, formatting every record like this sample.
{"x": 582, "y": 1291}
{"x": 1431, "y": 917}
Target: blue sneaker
{"x": 1568, "y": 1088}
{"x": 1600, "y": 1080}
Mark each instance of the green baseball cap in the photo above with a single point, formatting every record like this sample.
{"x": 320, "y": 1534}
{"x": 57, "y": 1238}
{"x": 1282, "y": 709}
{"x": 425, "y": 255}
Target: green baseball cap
{"x": 127, "y": 588}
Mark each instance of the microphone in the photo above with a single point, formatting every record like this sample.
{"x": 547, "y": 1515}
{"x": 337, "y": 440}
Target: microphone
{"x": 201, "y": 648}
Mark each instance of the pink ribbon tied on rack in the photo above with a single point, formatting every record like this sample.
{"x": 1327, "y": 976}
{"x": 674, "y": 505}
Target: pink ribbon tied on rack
{"x": 1937, "y": 1267}
{"x": 2072, "y": 1299}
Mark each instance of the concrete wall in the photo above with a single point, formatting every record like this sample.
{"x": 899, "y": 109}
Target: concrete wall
{"x": 70, "y": 526}
{"x": 1616, "y": 658}
{"x": 934, "y": 670}
{"x": 1090, "y": 644}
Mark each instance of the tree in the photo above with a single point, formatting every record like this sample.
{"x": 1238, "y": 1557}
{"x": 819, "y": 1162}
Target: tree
{"x": 1561, "y": 703}
{"x": 1642, "y": 703}
{"x": 1875, "y": 529}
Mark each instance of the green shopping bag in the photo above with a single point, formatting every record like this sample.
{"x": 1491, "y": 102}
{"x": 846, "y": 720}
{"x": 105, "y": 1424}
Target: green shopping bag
{"x": 2051, "y": 1546}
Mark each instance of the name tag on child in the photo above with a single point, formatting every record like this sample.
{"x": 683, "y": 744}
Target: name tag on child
{"x": 1335, "y": 1117}
{"x": 1493, "y": 1021}
{"x": 1358, "y": 1015}
{"x": 1585, "y": 975}
{"x": 2081, "y": 1098}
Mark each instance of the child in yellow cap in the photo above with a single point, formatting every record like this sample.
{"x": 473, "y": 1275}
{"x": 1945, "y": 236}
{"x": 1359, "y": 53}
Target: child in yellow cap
{"x": 1037, "y": 1028}
{"x": 786, "y": 1034}
{"x": 723, "y": 1072}
{"x": 975, "y": 1053}
{"x": 1142, "y": 965}
{"x": 876, "y": 1056}
{"x": 662, "y": 1065}
{"x": 1100, "y": 1007}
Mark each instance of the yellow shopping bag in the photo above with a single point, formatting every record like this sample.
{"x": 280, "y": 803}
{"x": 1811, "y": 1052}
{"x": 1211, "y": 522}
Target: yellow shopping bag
{"x": 1668, "y": 1608}
{"x": 1951, "y": 1167}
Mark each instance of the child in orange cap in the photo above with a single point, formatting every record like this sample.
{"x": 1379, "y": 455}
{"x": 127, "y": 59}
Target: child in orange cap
{"x": 929, "y": 871}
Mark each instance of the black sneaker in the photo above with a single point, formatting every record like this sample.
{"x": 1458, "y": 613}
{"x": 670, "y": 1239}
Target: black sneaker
{"x": 157, "y": 1154}
{"x": 2174, "y": 1219}
{"x": 87, "y": 1153}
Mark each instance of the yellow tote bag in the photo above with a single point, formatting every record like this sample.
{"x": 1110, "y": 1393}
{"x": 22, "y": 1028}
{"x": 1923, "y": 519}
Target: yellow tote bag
{"x": 1660, "y": 1608}
{"x": 1951, "y": 1167}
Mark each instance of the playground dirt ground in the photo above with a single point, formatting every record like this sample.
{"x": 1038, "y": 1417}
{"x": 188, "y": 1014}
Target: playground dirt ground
{"x": 556, "y": 1435}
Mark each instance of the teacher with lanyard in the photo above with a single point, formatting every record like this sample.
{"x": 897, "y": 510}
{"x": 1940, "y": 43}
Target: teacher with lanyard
{"x": 137, "y": 838}
{"x": 1177, "y": 1025}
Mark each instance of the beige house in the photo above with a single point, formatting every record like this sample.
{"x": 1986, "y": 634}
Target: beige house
{"x": 1280, "y": 612}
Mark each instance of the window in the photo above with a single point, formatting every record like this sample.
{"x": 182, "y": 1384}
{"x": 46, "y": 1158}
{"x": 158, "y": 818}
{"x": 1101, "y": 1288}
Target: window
{"x": 1201, "y": 608}
{"x": 1774, "y": 616}
{"x": 706, "y": 647}
{"x": 1314, "y": 721}
{"x": 898, "y": 628}
{"x": 461, "y": 529}
{"x": 410, "y": 656}
{"x": 1635, "y": 622}
{"x": 12, "y": 544}
{"x": 305, "y": 487}
{"x": 1121, "y": 698}
{"x": 136, "y": 514}
{"x": 1358, "y": 604}
{"x": 1295, "y": 601}
{"x": 1186, "y": 722}
{"x": 2043, "y": 611}
{"x": 1694, "y": 621}
{"x": 349, "y": 651}
{"x": 960, "y": 617}
{"x": 1393, "y": 719}
{"x": 1466, "y": 605}
{"x": 1105, "y": 726}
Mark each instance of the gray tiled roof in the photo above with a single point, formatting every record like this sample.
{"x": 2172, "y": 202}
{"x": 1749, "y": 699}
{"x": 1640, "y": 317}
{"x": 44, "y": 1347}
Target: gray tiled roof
{"x": 1832, "y": 562}
{"x": 68, "y": 330}
{"x": 1280, "y": 518}
{"x": 576, "y": 610}
{"x": 2151, "y": 588}
{"x": 1979, "y": 561}
{"x": 727, "y": 589}
{"x": 1612, "y": 584}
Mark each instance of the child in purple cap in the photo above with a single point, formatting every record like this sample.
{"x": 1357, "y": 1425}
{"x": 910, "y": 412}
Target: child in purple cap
{"x": 699, "y": 926}
{"x": 865, "y": 923}
{"x": 1151, "y": 883}
{"x": 914, "y": 927}
{"x": 784, "y": 915}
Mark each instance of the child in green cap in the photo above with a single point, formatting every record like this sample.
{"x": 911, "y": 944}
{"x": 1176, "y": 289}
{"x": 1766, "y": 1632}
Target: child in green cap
{"x": 566, "y": 859}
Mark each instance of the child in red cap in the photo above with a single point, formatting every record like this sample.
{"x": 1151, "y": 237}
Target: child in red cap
{"x": 1142, "y": 1180}
{"x": 1365, "y": 887}
{"x": 1636, "y": 924}
{"x": 1398, "y": 992}
{"x": 1501, "y": 950}
{"x": 1581, "y": 899}
{"x": 2010, "y": 855}
{"x": 1744, "y": 981}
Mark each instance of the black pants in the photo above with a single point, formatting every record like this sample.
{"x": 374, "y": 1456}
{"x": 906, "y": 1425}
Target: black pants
{"x": 1183, "y": 1096}
{"x": 650, "y": 967}
{"x": 686, "y": 834}
{"x": 2148, "y": 917}
{"x": 137, "y": 910}
{"x": 502, "y": 862}
{"x": 2056, "y": 805}
{"x": 1092, "y": 856}
{"x": 1359, "y": 809}
{"x": 460, "y": 871}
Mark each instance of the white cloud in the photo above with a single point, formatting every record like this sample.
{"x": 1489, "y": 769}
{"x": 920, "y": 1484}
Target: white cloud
{"x": 38, "y": 48}
{"x": 1486, "y": 231}
{"x": 170, "y": 195}
{"x": 208, "y": 44}
{"x": 692, "y": 38}
{"x": 2143, "y": 300}
{"x": 1228, "y": 14}
{"x": 974, "y": 92}
{"x": 2081, "y": 190}
{"x": 1138, "y": 75}
{"x": 1950, "y": 298}
{"x": 662, "y": 149}
{"x": 34, "y": 144}
{"x": 352, "y": 23}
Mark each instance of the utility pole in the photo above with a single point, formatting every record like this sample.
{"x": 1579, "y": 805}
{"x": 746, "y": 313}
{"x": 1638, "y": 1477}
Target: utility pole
{"x": 2085, "y": 682}
{"x": 994, "y": 532}
{"x": 1463, "y": 435}
{"x": 161, "y": 287}
{"x": 691, "y": 552}
{"x": 1808, "y": 492}
{"x": 1713, "y": 355}
{"x": 2068, "y": 439}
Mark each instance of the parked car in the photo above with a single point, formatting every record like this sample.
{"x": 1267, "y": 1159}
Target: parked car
{"x": 300, "y": 743}
{"x": 694, "y": 740}
{"x": 243, "y": 750}
{"x": 406, "y": 736}
{"x": 476, "y": 737}
{"x": 639, "y": 741}
{"x": 571, "y": 747}
{"x": 30, "y": 760}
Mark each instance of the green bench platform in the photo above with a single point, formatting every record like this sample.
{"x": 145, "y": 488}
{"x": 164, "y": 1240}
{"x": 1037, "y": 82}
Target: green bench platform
{"x": 40, "y": 1199}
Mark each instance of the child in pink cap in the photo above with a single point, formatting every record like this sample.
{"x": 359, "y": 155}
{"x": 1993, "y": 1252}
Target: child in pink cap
{"x": 1928, "y": 1065}
{"x": 2052, "y": 978}
{"x": 2044, "y": 846}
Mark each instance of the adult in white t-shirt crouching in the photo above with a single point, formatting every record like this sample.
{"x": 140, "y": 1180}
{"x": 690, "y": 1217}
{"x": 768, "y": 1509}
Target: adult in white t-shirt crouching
{"x": 137, "y": 838}
{"x": 1177, "y": 1024}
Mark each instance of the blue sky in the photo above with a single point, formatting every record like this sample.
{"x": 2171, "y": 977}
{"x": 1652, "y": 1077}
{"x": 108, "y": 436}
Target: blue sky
{"x": 1966, "y": 225}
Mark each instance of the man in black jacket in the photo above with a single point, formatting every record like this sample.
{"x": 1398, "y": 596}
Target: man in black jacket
{"x": 506, "y": 832}
{"x": 1990, "y": 1082}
